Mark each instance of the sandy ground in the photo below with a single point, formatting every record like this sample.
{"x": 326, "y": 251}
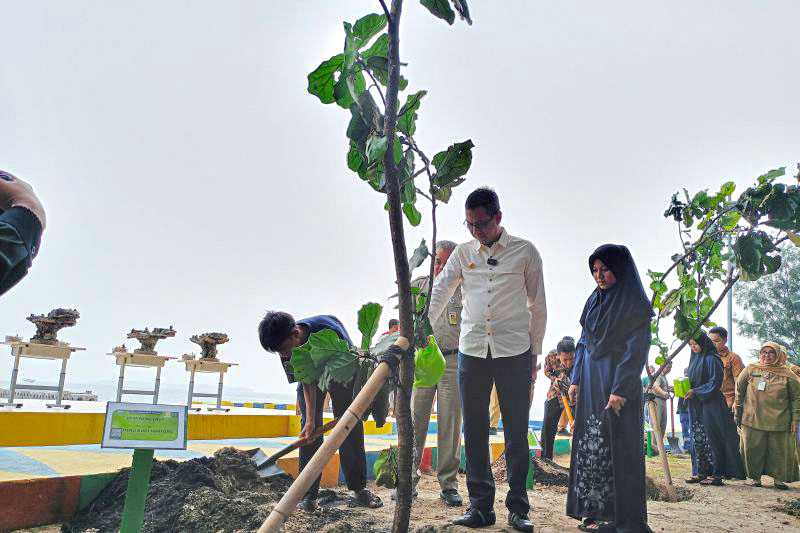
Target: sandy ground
{"x": 735, "y": 507}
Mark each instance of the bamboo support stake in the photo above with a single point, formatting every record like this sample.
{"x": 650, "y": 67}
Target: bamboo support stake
{"x": 651, "y": 405}
{"x": 281, "y": 512}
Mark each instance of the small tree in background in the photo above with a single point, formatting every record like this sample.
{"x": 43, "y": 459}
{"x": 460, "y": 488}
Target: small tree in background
{"x": 773, "y": 303}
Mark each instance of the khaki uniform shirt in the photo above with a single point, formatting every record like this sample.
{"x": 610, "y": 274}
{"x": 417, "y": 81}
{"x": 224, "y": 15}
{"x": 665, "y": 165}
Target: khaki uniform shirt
{"x": 446, "y": 328}
{"x": 767, "y": 401}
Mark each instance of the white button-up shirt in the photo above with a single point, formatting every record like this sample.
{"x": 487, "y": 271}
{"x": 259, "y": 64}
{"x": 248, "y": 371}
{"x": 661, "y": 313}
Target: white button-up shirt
{"x": 504, "y": 304}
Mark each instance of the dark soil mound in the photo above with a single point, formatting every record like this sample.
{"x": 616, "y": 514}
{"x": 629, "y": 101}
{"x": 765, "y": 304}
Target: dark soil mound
{"x": 545, "y": 472}
{"x": 658, "y": 491}
{"x": 791, "y": 507}
{"x": 220, "y": 493}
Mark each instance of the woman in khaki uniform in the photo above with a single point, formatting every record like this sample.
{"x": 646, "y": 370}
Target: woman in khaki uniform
{"x": 768, "y": 411}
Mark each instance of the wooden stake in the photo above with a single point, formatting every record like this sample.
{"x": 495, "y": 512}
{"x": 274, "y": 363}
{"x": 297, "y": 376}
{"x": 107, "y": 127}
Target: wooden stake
{"x": 281, "y": 512}
{"x": 656, "y": 424}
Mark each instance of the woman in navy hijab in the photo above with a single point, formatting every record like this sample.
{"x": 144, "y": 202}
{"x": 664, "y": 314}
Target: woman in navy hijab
{"x": 715, "y": 452}
{"x": 607, "y": 487}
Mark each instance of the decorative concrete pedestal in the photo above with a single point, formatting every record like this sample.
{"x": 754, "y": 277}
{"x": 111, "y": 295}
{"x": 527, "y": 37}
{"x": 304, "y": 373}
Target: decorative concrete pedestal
{"x": 32, "y": 350}
{"x": 126, "y": 359}
{"x": 211, "y": 366}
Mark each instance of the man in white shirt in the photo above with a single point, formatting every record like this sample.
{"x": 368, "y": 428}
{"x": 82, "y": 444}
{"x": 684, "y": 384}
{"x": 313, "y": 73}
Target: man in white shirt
{"x": 502, "y": 326}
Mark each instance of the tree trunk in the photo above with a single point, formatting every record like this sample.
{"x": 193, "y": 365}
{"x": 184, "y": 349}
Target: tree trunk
{"x": 405, "y": 431}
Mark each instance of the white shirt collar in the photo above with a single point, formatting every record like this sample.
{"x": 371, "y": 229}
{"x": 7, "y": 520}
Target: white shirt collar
{"x": 503, "y": 240}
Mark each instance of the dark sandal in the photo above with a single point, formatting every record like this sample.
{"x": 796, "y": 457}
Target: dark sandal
{"x": 591, "y": 526}
{"x": 781, "y": 486}
{"x": 715, "y": 482}
{"x": 755, "y": 483}
{"x": 365, "y": 498}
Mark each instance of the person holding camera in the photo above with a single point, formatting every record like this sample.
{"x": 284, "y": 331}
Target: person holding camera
{"x": 22, "y": 220}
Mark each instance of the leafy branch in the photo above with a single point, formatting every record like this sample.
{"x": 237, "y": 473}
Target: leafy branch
{"x": 738, "y": 241}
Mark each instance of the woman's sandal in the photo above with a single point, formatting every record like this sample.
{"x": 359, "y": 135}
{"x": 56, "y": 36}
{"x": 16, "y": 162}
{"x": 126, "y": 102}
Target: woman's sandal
{"x": 696, "y": 479}
{"x": 755, "y": 483}
{"x": 366, "y": 498}
{"x": 715, "y": 482}
{"x": 591, "y": 526}
{"x": 781, "y": 486}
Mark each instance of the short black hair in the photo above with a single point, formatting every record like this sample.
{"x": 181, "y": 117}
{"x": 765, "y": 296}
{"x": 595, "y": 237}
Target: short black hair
{"x": 393, "y": 322}
{"x": 274, "y": 329}
{"x": 567, "y": 344}
{"x": 719, "y": 330}
{"x": 483, "y": 197}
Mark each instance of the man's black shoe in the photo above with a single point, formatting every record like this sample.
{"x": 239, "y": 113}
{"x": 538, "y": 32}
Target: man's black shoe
{"x": 451, "y": 498}
{"x": 520, "y": 522}
{"x": 475, "y": 518}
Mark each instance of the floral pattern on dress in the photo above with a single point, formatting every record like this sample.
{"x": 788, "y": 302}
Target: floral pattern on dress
{"x": 594, "y": 476}
{"x": 702, "y": 450}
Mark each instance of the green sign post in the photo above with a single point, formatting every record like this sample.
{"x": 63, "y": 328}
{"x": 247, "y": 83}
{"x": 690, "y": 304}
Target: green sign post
{"x": 145, "y": 428}
{"x": 136, "y": 495}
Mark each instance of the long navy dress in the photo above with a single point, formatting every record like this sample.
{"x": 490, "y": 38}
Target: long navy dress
{"x": 715, "y": 442}
{"x": 607, "y": 471}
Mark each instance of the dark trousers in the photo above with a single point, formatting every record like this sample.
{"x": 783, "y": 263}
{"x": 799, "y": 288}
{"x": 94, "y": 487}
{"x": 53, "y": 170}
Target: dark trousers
{"x": 552, "y": 414}
{"x": 512, "y": 376}
{"x": 352, "y": 456}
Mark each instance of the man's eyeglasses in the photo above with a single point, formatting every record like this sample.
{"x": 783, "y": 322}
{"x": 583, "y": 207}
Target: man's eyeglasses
{"x": 478, "y": 225}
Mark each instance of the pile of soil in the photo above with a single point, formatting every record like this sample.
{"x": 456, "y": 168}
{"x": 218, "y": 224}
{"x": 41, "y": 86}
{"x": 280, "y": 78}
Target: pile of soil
{"x": 790, "y": 507}
{"x": 545, "y": 472}
{"x": 658, "y": 491}
{"x": 219, "y": 493}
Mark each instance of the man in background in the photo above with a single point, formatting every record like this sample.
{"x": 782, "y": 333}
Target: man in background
{"x": 446, "y": 331}
{"x": 732, "y": 364}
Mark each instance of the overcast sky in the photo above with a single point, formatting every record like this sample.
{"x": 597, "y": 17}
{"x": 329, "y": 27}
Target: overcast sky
{"x": 190, "y": 179}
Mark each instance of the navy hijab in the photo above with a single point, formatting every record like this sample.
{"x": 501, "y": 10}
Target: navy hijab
{"x": 706, "y": 345}
{"x": 611, "y": 315}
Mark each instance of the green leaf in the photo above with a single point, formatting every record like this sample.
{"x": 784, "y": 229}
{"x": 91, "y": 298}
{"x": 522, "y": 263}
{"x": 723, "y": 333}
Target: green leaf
{"x": 408, "y": 194}
{"x": 303, "y": 365}
{"x": 341, "y": 367}
{"x": 397, "y": 151}
{"x": 384, "y": 342}
{"x": 407, "y": 117}
{"x": 443, "y": 194}
{"x": 324, "y": 344}
{"x": 369, "y": 317}
{"x": 379, "y": 48}
{"x": 376, "y": 147}
{"x": 727, "y": 189}
{"x": 366, "y": 28}
{"x": 414, "y": 217}
{"x": 771, "y": 175}
{"x": 379, "y": 66}
{"x": 440, "y": 9}
{"x": 658, "y": 287}
{"x": 321, "y": 80}
{"x": 419, "y": 256}
{"x": 355, "y": 158}
{"x": 452, "y": 163}
{"x": 350, "y": 85}
{"x": 794, "y": 237}
{"x": 729, "y": 220}
{"x": 385, "y": 468}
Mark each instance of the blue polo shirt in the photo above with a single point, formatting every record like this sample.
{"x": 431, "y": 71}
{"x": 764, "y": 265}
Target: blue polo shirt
{"x": 315, "y": 324}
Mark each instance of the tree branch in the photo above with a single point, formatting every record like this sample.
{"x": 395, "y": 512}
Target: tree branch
{"x": 728, "y": 286}
{"x": 374, "y": 82}
{"x": 386, "y": 10}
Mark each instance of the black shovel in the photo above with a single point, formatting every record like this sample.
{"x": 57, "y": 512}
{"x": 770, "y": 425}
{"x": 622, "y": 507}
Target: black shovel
{"x": 267, "y": 465}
